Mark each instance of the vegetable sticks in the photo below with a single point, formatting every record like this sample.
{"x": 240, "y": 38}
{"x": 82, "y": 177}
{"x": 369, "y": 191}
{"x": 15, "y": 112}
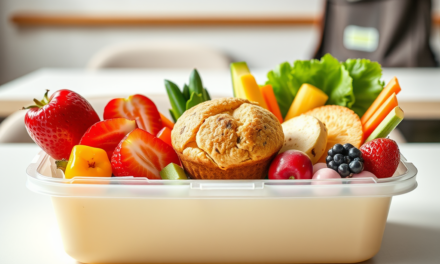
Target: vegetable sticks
{"x": 271, "y": 101}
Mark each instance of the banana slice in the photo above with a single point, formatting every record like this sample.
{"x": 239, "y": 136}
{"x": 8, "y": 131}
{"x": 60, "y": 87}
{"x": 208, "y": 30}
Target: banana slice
{"x": 305, "y": 133}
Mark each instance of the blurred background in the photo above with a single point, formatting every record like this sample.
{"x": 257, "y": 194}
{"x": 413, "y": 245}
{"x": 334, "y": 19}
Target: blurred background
{"x": 24, "y": 49}
{"x": 38, "y": 34}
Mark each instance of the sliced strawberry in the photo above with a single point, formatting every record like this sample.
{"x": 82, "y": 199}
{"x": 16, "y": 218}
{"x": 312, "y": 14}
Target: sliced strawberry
{"x": 141, "y": 154}
{"x": 136, "y": 106}
{"x": 108, "y": 134}
{"x": 165, "y": 135}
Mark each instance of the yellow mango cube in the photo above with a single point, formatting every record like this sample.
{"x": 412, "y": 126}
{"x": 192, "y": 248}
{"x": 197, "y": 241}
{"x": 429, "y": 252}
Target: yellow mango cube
{"x": 307, "y": 98}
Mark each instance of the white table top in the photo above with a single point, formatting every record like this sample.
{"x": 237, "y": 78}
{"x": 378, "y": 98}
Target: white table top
{"x": 29, "y": 234}
{"x": 422, "y": 84}
{"x": 419, "y": 98}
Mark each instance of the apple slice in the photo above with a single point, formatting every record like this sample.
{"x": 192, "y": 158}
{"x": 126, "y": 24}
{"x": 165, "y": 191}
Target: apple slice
{"x": 305, "y": 133}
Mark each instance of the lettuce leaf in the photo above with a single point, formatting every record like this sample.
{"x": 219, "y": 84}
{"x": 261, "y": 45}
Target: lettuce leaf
{"x": 281, "y": 80}
{"x": 327, "y": 74}
{"x": 353, "y": 84}
{"x": 366, "y": 82}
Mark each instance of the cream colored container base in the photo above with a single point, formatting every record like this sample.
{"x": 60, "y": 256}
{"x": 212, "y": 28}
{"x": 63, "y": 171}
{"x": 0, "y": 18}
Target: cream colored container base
{"x": 137, "y": 220}
{"x": 318, "y": 230}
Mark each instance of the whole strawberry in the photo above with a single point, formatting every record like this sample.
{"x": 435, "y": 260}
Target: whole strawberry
{"x": 381, "y": 157}
{"x": 57, "y": 123}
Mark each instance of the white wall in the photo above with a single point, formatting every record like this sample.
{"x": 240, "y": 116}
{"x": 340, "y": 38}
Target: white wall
{"x": 26, "y": 49}
{"x": 23, "y": 50}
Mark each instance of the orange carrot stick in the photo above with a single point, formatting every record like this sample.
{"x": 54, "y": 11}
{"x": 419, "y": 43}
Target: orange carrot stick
{"x": 165, "y": 135}
{"x": 379, "y": 115}
{"x": 271, "y": 101}
{"x": 166, "y": 122}
{"x": 392, "y": 87}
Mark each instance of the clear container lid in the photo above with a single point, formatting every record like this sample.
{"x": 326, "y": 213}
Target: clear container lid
{"x": 44, "y": 178}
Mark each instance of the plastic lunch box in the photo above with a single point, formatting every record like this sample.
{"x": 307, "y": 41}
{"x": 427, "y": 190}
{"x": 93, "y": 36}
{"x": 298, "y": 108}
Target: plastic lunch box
{"x": 136, "y": 220}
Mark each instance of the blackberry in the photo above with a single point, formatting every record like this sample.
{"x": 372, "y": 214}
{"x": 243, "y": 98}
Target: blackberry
{"x": 328, "y": 159}
{"x": 338, "y": 159}
{"x": 332, "y": 165}
{"x": 356, "y": 166}
{"x": 330, "y": 152}
{"x": 354, "y": 153}
{"x": 337, "y": 149}
{"x": 345, "y": 159}
{"x": 348, "y": 146}
{"x": 344, "y": 170}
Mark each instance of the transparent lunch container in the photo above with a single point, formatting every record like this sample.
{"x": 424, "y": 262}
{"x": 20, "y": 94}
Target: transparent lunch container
{"x": 137, "y": 220}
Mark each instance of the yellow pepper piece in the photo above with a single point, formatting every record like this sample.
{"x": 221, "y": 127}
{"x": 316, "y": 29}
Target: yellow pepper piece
{"x": 88, "y": 162}
{"x": 307, "y": 98}
{"x": 252, "y": 91}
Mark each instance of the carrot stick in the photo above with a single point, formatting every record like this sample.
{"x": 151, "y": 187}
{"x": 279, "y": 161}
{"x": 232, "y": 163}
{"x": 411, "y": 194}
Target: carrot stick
{"x": 166, "y": 122}
{"x": 165, "y": 135}
{"x": 380, "y": 115}
{"x": 392, "y": 87}
{"x": 271, "y": 101}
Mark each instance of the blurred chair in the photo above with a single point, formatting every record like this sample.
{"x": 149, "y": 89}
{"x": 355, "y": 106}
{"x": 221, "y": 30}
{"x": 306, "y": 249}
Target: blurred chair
{"x": 12, "y": 129}
{"x": 159, "y": 55}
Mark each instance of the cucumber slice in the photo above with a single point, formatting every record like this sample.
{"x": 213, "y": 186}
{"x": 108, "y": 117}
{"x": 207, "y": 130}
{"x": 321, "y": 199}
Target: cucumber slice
{"x": 173, "y": 172}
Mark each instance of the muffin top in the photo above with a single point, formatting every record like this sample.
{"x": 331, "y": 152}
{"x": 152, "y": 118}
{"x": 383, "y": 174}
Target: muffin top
{"x": 227, "y": 132}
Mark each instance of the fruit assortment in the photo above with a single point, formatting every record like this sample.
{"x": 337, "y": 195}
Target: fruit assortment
{"x": 334, "y": 120}
{"x": 332, "y": 107}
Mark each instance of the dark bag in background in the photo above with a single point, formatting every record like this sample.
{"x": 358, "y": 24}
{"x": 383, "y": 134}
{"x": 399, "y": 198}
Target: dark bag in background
{"x": 395, "y": 33}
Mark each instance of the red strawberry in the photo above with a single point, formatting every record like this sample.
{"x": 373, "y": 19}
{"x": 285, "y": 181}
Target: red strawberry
{"x": 57, "y": 123}
{"x": 107, "y": 134}
{"x": 136, "y": 107}
{"x": 141, "y": 154}
{"x": 381, "y": 157}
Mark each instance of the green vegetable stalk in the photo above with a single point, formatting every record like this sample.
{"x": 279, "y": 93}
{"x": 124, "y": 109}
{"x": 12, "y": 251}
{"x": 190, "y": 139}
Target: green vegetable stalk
{"x": 191, "y": 95}
{"x": 178, "y": 102}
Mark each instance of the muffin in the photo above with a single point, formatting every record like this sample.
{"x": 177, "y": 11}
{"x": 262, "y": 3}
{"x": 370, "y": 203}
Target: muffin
{"x": 228, "y": 138}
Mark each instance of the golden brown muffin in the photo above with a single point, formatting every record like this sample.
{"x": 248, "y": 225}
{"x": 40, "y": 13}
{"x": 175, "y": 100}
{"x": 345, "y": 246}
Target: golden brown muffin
{"x": 228, "y": 138}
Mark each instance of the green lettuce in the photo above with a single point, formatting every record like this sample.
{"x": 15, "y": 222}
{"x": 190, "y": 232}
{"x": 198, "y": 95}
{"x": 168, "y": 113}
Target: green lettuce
{"x": 283, "y": 88}
{"x": 353, "y": 84}
{"x": 366, "y": 82}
